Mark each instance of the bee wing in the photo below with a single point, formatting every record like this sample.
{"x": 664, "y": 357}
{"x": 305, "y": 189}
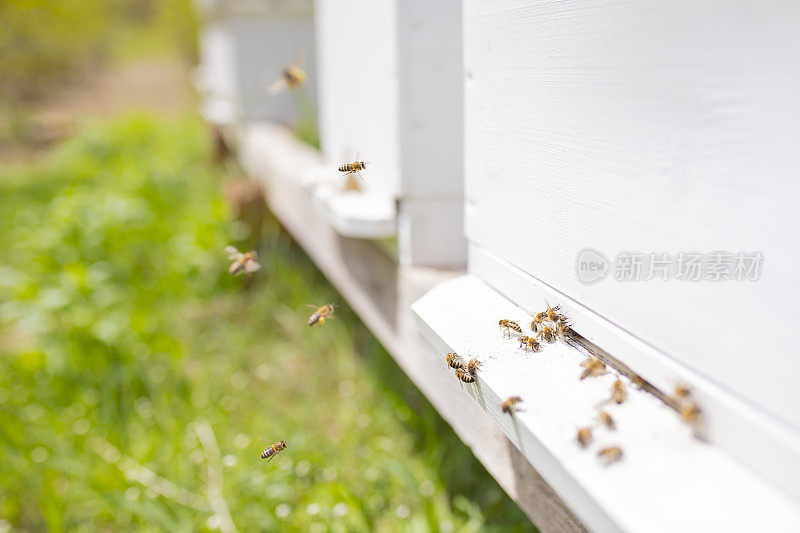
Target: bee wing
{"x": 359, "y": 175}
{"x": 277, "y": 86}
{"x": 252, "y": 266}
{"x": 358, "y": 156}
{"x": 232, "y": 252}
{"x": 315, "y": 307}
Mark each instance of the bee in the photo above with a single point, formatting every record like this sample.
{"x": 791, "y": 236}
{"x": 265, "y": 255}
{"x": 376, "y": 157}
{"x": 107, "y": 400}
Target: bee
{"x": 606, "y": 420}
{"x": 473, "y": 366}
{"x": 464, "y": 376}
{"x": 681, "y": 392}
{"x": 354, "y": 167}
{"x": 538, "y": 320}
{"x": 690, "y": 412}
{"x": 618, "y": 392}
{"x": 584, "y": 437}
{"x": 510, "y": 405}
{"x": 610, "y": 454}
{"x": 552, "y": 312}
{"x": 321, "y": 314}
{"x": 292, "y": 76}
{"x": 547, "y": 334}
{"x": 638, "y": 381}
{"x": 454, "y": 361}
{"x": 529, "y": 342}
{"x": 242, "y": 262}
{"x": 508, "y": 325}
{"x": 562, "y": 329}
{"x": 592, "y": 367}
{"x": 274, "y": 450}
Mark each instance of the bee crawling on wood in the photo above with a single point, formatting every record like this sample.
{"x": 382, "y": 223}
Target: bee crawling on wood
{"x": 321, "y": 314}
{"x": 509, "y": 325}
{"x": 473, "y": 366}
{"x": 242, "y": 262}
{"x": 538, "y": 321}
{"x": 606, "y": 420}
{"x": 273, "y": 450}
{"x": 511, "y": 405}
{"x": 454, "y": 361}
{"x": 292, "y": 76}
{"x": 610, "y": 454}
{"x": 592, "y": 367}
{"x": 354, "y": 168}
{"x": 584, "y": 437}
{"x": 529, "y": 342}
{"x": 562, "y": 329}
{"x": 552, "y": 312}
{"x": 618, "y": 392}
{"x": 464, "y": 376}
{"x": 547, "y": 334}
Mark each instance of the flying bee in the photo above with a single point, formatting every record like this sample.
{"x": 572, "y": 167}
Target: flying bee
{"x": 508, "y": 325}
{"x": 511, "y": 406}
{"x": 584, "y": 437}
{"x": 454, "y": 361}
{"x": 610, "y": 454}
{"x": 690, "y": 412}
{"x": 538, "y": 321}
{"x": 606, "y": 420}
{"x": 354, "y": 167}
{"x": 618, "y": 392}
{"x": 529, "y": 342}
{"x": 292, "y": 76}
{"x": 592, "y": 367}
{"x": 273, "y": 450}
{"x": 321, "y": 314}
{"x": 562, "y": 329}
{"x": 547, "y": 334}
{"x": 473, "y": 366}
{"x": 464, "y": 376}
{"x": 242, "y": 262}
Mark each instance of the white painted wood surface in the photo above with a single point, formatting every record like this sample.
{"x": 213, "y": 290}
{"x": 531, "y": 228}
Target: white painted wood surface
{"x": 667, "y": 480}
{"x": 658, "y": 126}
{"x": 244, "y": 48}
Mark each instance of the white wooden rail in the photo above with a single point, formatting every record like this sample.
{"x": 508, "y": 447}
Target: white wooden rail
{"x": 523, "y": 132}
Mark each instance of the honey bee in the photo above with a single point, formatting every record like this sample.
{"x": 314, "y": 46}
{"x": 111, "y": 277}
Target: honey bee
{"x": 510, "y": 405}
{"x": 508, "y": 325}
{"x": 354, "y": 167}
{"x": 273, "y": 450}
{"x": 610, "y": 454}
{"x": 538, "y": 320}
{"x": 292, "y": 76}
{"x": 606, "y": 420}
{"x": 592, "y": 367}
{"x": 473, "y": 366}
{"x": 681, "y": 392}
{"x": 464, "y": 376}
{"x": 547, "y": 334}
{"x": 552, "y": 312}
{"x": 321, "y": 314}
{"x": 529, "y": 342}
{"x": 618, "y": 392}
{"x": 454, "y": 361}
{"x": 584, "y": 437}
{"x": 690, "y": 412}
{"x": 562, "y": 329}
{"x": 242, "y": 262}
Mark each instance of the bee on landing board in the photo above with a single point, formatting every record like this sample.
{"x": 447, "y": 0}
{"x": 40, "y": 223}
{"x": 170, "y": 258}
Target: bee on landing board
{"x": 473, "y": 366}
{"x": 681, "y": 392}
{"x": 464, "y": 376}
{"x": 538, "y": 321}
{"x": 509, "y": 325}
{"x": 529, "y": 342}
{"x": 354, "y": 168}
{"x": 606, "y": 420}
{"x": 242, "y": 262}
{"x": 292, "y": 76}
{"x": 592, "y": 367}
{"x": 273, "y": 450}
{"x": 562, "y": 329}
{"x": 552, "y": 312}
{"x": 584, "y": 437}
{"x": 547, "y": 334}
{"x": 454, "y": 361}
{"x": 610, "y": 454}
{"x": 690, "y": 412}
{"x": 321, "y": 314}
{"x": 511, "y": 405}
{"x": 618, "y": 392}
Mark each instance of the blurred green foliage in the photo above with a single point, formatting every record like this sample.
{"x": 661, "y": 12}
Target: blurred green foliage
{"x": 43, "y": 42}
{"x": 134, "y": 370}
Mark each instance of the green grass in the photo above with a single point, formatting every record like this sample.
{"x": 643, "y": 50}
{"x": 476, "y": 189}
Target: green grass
{"x": 134, "y": 370}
